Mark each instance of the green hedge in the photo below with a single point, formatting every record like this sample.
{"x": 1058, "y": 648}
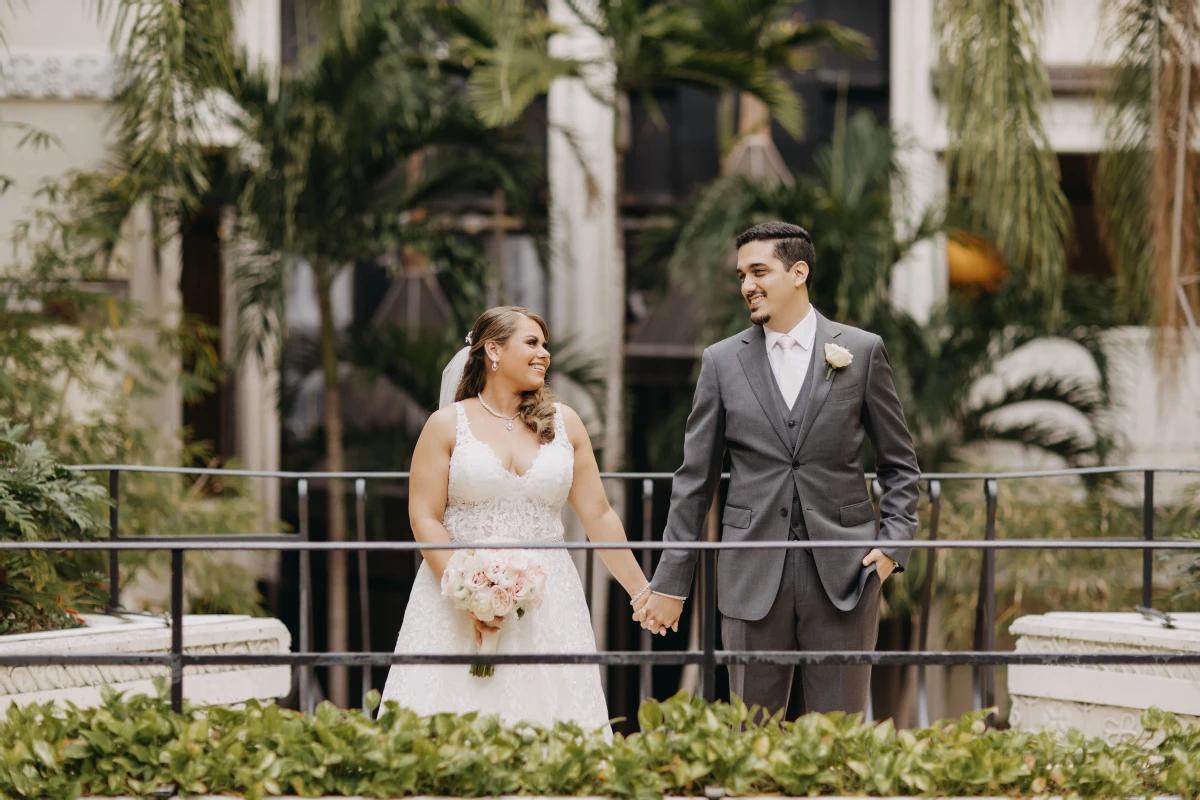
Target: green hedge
{"x": 133, "y": 745}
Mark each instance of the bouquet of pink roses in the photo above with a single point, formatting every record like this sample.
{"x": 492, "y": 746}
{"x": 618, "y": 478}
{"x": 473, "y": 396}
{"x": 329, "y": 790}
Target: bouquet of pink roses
{"x": 491, "y": 584}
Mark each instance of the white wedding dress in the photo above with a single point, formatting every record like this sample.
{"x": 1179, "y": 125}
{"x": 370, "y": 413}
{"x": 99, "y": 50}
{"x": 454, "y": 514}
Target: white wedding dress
{"x": 486, "y": 501}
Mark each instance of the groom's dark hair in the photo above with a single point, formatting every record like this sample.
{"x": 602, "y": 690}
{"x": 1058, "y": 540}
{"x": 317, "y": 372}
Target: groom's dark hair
{"x": 792, "y": 243}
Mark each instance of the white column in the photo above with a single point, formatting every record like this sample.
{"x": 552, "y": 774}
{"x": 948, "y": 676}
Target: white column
{"x": 921, "y": 279}
{"x": 257, "y": 28}
{"x": 584, "y": 251}
{"x": 256, "y": 386}
{"x": 255, "y": 391}
{"x": 154, "y": 273}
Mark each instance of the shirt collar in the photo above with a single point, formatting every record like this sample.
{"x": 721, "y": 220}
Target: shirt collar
{"x": 804, "y": 334}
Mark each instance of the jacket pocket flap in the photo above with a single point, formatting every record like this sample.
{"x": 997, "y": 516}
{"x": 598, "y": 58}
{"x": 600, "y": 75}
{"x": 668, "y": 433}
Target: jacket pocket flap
{"x": 846, "y": 392}
{"x": 736, "y": 517}
{"x": 857, "y": 514}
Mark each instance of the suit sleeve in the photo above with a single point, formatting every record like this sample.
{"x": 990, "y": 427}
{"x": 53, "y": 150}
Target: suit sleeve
{"x": 694, "y": 483}
{"x": 895, "y": 457}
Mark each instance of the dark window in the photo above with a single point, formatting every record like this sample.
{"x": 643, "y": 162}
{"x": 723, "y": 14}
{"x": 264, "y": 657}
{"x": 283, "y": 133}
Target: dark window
{"x": 1086, "y": 254}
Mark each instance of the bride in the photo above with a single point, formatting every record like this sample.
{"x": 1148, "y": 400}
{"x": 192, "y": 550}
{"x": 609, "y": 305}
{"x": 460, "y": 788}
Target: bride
{"x": 499, "y": 463}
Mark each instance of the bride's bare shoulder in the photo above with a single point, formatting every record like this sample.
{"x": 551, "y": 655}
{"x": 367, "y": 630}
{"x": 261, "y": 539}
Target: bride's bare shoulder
{"x": 442, "y": 424}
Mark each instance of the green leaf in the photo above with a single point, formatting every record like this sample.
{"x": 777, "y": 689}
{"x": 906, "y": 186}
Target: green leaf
{"x": 650, "y": 715}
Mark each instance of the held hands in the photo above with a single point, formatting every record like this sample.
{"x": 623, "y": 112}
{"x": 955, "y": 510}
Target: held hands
{"x": 656, "y": 613}
{"x": 883, "y": 565}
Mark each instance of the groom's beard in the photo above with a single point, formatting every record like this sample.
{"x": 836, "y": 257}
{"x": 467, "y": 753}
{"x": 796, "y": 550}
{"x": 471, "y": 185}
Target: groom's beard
{"x": 761, "y": 316}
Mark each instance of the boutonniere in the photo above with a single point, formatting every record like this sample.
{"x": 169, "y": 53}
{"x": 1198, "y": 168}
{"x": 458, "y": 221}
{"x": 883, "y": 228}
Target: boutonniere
{"x": 836, "y": 357}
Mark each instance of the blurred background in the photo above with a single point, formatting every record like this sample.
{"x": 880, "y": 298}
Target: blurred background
{"x": 251, "y": 233}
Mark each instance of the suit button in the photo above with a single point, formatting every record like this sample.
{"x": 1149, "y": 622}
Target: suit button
{"x": 795, "y": 465}
{"x": 783, "y": 512}
{"x": 791, "y": 423}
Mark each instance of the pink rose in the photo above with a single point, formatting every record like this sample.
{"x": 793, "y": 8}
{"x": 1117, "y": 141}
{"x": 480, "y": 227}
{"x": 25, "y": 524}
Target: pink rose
{"x": 502, "y": 601}
{"x": 520, "y": 590}
{"x": 478, "y": 580}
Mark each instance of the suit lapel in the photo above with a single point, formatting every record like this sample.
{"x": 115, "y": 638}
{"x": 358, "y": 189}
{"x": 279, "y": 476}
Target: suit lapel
{"x": 758, "y": 373}
{"x": 816, "y": 372}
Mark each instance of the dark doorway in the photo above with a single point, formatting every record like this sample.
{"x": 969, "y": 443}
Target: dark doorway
{"x": 209, "y": 418}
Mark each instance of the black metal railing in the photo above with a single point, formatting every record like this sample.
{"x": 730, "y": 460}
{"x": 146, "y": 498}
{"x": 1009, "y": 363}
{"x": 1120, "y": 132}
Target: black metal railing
{"x": 984, "y": 658}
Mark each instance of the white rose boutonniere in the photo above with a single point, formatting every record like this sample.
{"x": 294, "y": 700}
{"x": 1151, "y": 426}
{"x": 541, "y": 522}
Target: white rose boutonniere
{"x": 836, "y": 357}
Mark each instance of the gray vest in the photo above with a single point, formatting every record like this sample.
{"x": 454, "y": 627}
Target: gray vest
{"x": 794, "y": 417}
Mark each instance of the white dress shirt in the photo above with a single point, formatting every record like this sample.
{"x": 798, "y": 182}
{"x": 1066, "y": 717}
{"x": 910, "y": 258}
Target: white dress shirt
{"x": 791, "y": 368}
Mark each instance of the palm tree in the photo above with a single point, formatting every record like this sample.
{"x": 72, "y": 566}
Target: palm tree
{"x": 849, "y": 201}
{"x": 325, "y": 179}
{"x": 850, "y": 198}
{"x": 1004, "y": 175}
{"x": 1147, "y": 184}
{"x": 994, "y": 87}
{"x": 718, "y": 46}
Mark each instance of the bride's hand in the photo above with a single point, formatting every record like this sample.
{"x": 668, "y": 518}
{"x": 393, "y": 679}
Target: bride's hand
{"x": 482, "y": 627}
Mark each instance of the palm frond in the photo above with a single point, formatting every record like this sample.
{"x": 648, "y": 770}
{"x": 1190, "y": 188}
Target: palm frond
{"x": 506, "y": 44}
{"x": 1123, "y": 170}
{"x": 849, "y": 197}
{"x": 1138, "y": 172}
{"x": 1003, "y": 172}
{"x": 175, "y": 57}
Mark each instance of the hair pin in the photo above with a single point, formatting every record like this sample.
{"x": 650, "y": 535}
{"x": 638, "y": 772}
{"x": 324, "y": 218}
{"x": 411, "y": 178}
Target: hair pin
{"x": 469, "y": 342}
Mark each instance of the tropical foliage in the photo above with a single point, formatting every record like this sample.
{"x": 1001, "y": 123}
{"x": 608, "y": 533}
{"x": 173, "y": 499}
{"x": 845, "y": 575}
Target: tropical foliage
{"x": 1003, "y": 173}
{"x": 1004, "y": 181}
{"x": 686, "y": 747}
{"x": 849, "y": 199}
{"x": 346, "y": 159}
{"x": 41, "y": 500}
{"x": 1147, "y": 183}
{"x": 81, "y": 364}
{"x": 1038, "y": 581}
{"x": 717, "y": 46}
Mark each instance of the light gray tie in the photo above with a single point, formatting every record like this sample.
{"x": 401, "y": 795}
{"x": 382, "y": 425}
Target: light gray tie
{"x": 791, "y": 376}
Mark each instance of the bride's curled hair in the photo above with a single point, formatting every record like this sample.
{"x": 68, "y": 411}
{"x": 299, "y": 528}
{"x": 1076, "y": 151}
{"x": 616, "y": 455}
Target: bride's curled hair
{"x": 498, "y": 325}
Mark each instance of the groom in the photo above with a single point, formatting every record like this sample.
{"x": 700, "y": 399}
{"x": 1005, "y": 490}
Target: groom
{"x": 790, "y": 399}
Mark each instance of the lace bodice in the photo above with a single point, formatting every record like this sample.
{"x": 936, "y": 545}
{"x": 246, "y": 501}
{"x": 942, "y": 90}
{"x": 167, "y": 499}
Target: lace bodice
{"x": 484, "y": 500}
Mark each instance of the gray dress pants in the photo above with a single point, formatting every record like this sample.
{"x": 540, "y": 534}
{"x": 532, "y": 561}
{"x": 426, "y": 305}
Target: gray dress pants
{"x": 803, "y": 618}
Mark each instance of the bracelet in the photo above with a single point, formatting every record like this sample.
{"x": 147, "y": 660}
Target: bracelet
{"x": 634, "y": 599}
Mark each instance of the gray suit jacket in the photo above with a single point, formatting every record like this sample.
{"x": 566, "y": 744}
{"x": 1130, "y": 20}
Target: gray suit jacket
{"x": 734, "y": 411}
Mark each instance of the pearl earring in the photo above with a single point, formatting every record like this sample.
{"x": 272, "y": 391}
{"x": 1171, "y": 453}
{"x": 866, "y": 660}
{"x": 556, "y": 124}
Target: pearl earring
{"x": 495, "y": 366}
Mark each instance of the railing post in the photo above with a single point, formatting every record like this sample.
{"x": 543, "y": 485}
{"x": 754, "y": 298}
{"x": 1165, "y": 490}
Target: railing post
{"x": 708, "y": 679}
{"x": 305, "y": 672}
{"x": 114, "y": 561}
{"x": 177, "y": 631}
{"x": 646, "y": 643}
{"x": 935, "y": 511}
{"x": 1148, "y": 535}
{"x": 985, "y": 606}
{"x": 589, "y": 576}
{"x": 364, "y": 600}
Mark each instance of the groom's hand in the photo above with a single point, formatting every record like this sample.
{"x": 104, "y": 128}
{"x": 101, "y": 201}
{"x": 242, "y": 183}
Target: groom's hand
{"x": 659, "y": 613}
{"x": 884, "y": 564}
